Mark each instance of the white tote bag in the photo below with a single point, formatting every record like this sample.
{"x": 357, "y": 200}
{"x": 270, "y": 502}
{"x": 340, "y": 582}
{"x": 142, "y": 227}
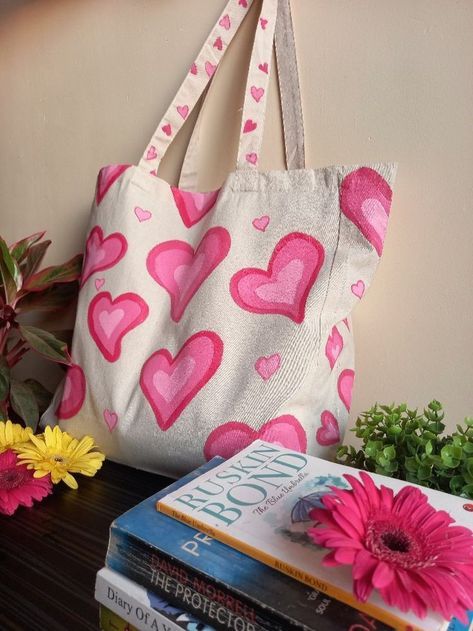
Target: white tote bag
{"x": 209, "y": 319}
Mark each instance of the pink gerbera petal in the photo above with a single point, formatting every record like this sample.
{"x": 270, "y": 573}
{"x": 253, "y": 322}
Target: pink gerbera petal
{"x": 18, "y": 487}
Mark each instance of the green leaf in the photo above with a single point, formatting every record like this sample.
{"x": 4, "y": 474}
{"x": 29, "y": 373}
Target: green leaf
{"x": 429, "y": 448}
{"x": 33, "y": 260}
{"x": 389, "y": 452}
{"x": 52, "y": 299}
{"x": 4, "y": 378}
{"x": 24, "y": 403}
{"x": 43, "y": 397}
{"x": 45, "y": 344}
{"x": 468, "y": 447}
{"x": 65, "y": 273}
{"x": 10, "y": 265}
{"x": 19, "y": 249}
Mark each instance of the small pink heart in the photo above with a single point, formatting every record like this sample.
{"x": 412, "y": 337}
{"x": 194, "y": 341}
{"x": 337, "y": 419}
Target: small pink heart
{"x": 154, "y": 172}
{"x": 143, "y": 215}
{"x": 261, "y": 223}
{"x": 151, "y": 153}
{"x": 73, "y": 394}
{"x": 358, "y": 289}
{"x": 218, "y": 44}
{"x": 345, "y": 386}
{"x": 263, "y": 67}
{"x": 243, "y": 3}
{"x": 99, "y": 283}
{"x": 210, "y": 68}
{"x": 193, "y": 69}
{"x": 225, "y": 22}
{"x": 329, "y": 433}
{"x": 183, "y": 111}
{"x": 267, "y": 366}
{"x": 252, "y": 158}
{"x": 333, "y": 347}
{"x": 263, "y": 23}
{"x": 167, "y": 129}
{"x": 111, "y": 418}
{"x": 257, "y": 93}
{"x": 249, "y": 125}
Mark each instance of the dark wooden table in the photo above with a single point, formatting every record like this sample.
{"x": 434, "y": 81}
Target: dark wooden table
{"x": 50, "y": 554}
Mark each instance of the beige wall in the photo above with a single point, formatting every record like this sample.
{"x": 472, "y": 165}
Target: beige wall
{"x": 84, "y": 82}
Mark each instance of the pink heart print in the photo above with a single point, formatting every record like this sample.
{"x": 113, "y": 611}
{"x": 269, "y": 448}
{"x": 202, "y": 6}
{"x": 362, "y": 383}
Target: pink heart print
{"x": 292, "y": 271}
{"x": 358, "y": 289}
{"x": 261, "y": 223}
{"x": 230, "y": 438}
{"x": 193, "y": 206}
{"x": 142, "y": 215}
{"x": 345, "y": 386}
{"x": 154, "y": 172}
{"x": 329, "y": 432}
{"x": 365, "y": 199}
{"x": 243, "y": 3}
{"x": 257, "y": 93}
{"x": 106, "y": 177}
{"x": 333, "y": 347}
{"x": 169, "y": 384}
{"x": 110, "y": 320}
{"x": 73, "y": 394}
{"x": 225, "y": 22}
{"x": 267, "y": 366}
{"x": 151, "y": 154}
{"x": 218, "y": 44}
{"x": 183, "y": 111}
{"x": 252, "y": 158}
{"x": 111, "y": 418}
{"x": 263, "y": 23}
{"x": 167, "y": 129}
{"x": 210, "y": 68}
{"x": 193, "y": 69}
{"x": 102, "y": 252}
{"x": 175, "y": 266}
{"x": 263, "y": 67}
{"x": 249, "y": 125}
{"x": 99, "y": 283}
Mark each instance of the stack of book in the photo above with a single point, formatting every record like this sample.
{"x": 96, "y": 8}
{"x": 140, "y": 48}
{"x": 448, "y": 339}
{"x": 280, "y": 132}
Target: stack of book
{"x": 182, "y": 560}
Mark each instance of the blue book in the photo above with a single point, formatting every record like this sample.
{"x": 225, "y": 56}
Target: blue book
{"x": 218, "y": 584}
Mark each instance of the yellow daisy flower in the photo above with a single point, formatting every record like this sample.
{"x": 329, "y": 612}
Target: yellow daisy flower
{"x": 59, "y": 454}
{"x": 12, "y": 435}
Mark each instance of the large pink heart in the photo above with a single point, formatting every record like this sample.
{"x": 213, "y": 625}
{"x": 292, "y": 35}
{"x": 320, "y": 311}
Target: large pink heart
{"x": 73, "y": 394}
{"x": 283, "y": 289}
{"x": 334, "y": 346}
{"x": 107, "y": 176}
{"x": 110, "y": 320}
{"x": 365, "y": 198}
{"x": 171, "y": 384}
{"x": 102, "y": 253}
{"x": 329, "y": 432}
{"x": 193, "y": 206}
{"x": 175, "y": 266}
{"x": 230, "y": 438}
{"x": 345, "y": 386}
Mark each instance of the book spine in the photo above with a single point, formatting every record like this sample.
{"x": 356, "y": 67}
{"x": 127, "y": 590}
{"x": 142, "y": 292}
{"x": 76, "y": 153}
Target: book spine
{"x": 190, "y": 590}
{"x": 110, "y": 621}
{"x": 327, "y": 588}
{"x": 135, "y": 559}
{"x": 130, "y": 609}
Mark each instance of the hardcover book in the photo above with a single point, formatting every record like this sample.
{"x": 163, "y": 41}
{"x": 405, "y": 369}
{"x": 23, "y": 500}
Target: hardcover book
{"x": 256, "y": 502}
{"x": 202, "y": 575}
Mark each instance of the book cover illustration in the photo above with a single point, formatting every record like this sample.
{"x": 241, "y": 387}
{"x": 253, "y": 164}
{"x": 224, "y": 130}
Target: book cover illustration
{"x": 151, "y": 547}
{"x": 248, "y": 501}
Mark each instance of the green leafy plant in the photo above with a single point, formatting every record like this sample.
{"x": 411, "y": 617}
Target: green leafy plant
{"x": 405, "y": 444}
{"x": 26, "y": 291}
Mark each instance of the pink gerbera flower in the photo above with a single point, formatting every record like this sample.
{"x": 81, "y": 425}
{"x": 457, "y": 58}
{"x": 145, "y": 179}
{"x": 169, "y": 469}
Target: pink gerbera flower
{"x": 17, "y": 484}
{"x": 398, "y": 544}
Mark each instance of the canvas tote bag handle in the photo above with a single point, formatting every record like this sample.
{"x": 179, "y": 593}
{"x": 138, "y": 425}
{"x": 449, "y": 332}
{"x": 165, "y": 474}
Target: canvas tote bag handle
{"x": 291, "y": 107}
{"x": 254, "y": 106}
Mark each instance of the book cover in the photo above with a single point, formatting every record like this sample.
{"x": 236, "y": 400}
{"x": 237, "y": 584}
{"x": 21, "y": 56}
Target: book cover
{"x": 140, "y": 607}
{"x": 111, "y": 621}
{"x": 252, "y": 502}
{"x": 168, "y": 556}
